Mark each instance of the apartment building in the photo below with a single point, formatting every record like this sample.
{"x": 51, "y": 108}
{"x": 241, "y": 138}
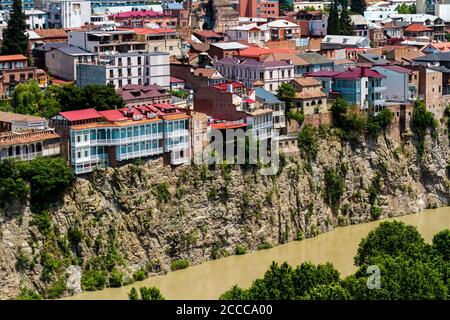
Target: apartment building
{"x": 143, "y": 18}
{"x": 14, "y": 69}
{"x": 401, "y": 83}
{"x": 358, "y": 86}
{"x": 107, "y": 138}
{"x": 270, "y": 73}
{"x": 270, "y": 101}
{"x": 339, "y": 42}
{"x": 35, "y": 19}
{"x": 259, "y": 8}
{"x": 316, "y": 21}
{"x": 121, "y": 69}
{"x": 62, "y": 61}
{"x": 251, "y": 33}
{"x": 68, "y": 13}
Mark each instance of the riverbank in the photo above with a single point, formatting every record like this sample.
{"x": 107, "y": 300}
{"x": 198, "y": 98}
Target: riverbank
{"x": 210, "y": 279}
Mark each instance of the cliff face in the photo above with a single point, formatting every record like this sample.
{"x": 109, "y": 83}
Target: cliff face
{"x": 152, "y": 213}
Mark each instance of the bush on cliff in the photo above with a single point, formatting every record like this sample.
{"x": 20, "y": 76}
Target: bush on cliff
{"x": 421, "y": 121}
{"x": 179, "y": 264}
{"x": 150, "y": 293}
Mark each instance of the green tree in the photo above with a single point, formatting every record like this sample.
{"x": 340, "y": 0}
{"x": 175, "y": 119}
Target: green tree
{"x": 151, "y": 293}
{"x": 421, "y": 121}
{"x": 308, "y": 142}
{"x": 358, "y": 6}
{"x": 307, "y": 276}
{"x": 286, "y": 93}
{"x": 13, "y": 186}
{"x": 334, "y": 188}
{"x": 28, "y": 98}
{"x": 15, "y": 40}
{"x": 333, "y": 291}
{"x": 101, "y": 97}
{"x": 333, "y": 27}
{"x": 390, "y": 238}
{"x": 379, "y": 122}
{"x": 133, "y": 295}
{"x": 345, "y": 23}
{"x": 441, "y": 243}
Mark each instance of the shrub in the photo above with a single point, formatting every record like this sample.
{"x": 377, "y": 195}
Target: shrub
{"x": 151, "y": 293}
{"x": 307, "y": 142}
{"x": 43, "y": 222}
{"x": 240, "y": 249}
{"x": 28, "y": 294}
{"x": 57, "y": 289}
{"x": 264, "y": 245}
{"x": 133, "y": 295}
{"x": 116, "y": 279}
{"x": 92, "y": 280}
{"x": 179, "y": 264}
{"x": 375, "y": 212}
{"x": 334, "y": 188}
{"x": 420, "y": 122}
{"x": 162, "y": 193}
{"x": 74, "y": 235}
{"x": 140, "y": 275}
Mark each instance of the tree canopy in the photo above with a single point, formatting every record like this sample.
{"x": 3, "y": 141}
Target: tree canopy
{"x": 358, "y": 6}
{"x": 15, "y": 40}
{"x": 409, "y": 269}
{"x": 333, "y": 27}
{"x": 345, "y": 23}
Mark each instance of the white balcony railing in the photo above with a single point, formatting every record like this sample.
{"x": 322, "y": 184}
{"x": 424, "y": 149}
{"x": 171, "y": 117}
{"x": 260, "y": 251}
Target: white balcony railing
{"x": 140, "y": 153}
{"x": 117, "y": 141}
{"x": 177, "y": 133}
{"x": 176, "y": 147}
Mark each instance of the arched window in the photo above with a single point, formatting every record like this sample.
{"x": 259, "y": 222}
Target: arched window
{"x": 10, "y": 151}
{"x": 39, "y": 147}
{"x": 17, "y": 150}
{"x": 32, "y": 148}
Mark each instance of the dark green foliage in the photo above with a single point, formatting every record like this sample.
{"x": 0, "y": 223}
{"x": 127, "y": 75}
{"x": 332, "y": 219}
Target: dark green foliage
{"x": 286, "y": 93}
{"x": 308, "y": 142}
{"x": 390, "y": 238}
{"x": 50, "y": 265}
{"x": 409, "y": 269}
{"x": 115, "y": 278}
{"x": 405, "y": 9}
{"x": 421, "y": 121}
{"x": 15, "y": 40}
{"x": 441, "y": 243}
{"x": 333, "y": 27}
{"x": 28, "y": 98}
{"x": 74, "y": 235}
{"x": 13, "y": 186}
{"x": 379, "y": 122}
{"x": 43, "y": 222}
{"x": 93, "y": 280}
{"x": 345, "y": 23}
{"x": 358, "y": 6}
{"x": 57, "y": 289}
{"x": 179, "y": 93}
{"x": 28, "y": 294}
{"x": 22, "y": 262}
{"x": 133, "y": 295}
{"x": 240, "y": 249}
{"x": 296, "y": 115}
{"x": 162, "y": 193}
{"x": 140, "y": 275}
{"x": 151, "y": 293}
{"x": 334, "y": 188}
{"x": 179, "y": 264}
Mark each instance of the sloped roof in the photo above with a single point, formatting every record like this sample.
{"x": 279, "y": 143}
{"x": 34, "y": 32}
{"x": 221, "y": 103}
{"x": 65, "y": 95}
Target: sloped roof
{"x": 355, "y": 73}
{"x": 308, "y": 81}
{"x": 11, "y": 117}
{"x": 314, "y": 58}
{"x": 416, "y": 27}
{"x": 295, "y": 60}
{"x": 358, "y": 19}
{"x": 12, "y": 57}
{"x": 266, "y": 96}
{"x": 398, "y": 69}
{"x": 51, "y": 33}
{"x": 434, "y": 57}
{"x": 229, "y": 45}
{"x": 84, "y": 114}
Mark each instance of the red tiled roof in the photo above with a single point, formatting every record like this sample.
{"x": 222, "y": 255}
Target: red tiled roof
{"x": 175, "y": 80}
{"x": 224, "y": 86}
{"x": 323, "y": 73}
{"x": 416, "y": 27}
{"x": 150, "y": 31}
{"x": 228, "y": 125}
{"x": 113, "y": 115}
{"x": 84, "y": 114}
{"x": 12, "y": 57}
{"x": 51, "y": 33}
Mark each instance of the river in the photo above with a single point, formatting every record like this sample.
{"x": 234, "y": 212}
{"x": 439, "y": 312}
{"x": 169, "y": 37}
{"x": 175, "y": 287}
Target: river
{"x": 210, "y": 279}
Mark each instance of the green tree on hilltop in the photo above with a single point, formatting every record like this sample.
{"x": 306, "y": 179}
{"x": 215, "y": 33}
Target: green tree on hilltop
{"x": 15, "y": 40}
{"x": 333, "y": 20}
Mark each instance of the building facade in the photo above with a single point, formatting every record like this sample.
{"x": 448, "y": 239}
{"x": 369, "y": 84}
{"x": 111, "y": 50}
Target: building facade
{"x": 68, "y": 13}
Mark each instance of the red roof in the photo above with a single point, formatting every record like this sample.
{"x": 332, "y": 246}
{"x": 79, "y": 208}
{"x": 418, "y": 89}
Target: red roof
{"x": 228, "y": 125}
{"x": 176, "y": 80}
{"x": 356, "y": 73}
{"x": 248, "y": 100}
{"x": 113, "y": 115}
{"x": 150, "y": 31}
{"x": 207, "y": 34}
{"x": 323, "y": 73}
{"x": 254, "y": 52}
{"x": 224, "y": 86}
{"x": 84, "y": 114}
{"x": 416, "y": 27}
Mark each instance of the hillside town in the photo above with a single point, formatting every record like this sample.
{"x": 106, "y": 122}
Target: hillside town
{"x": 183, "y": 68}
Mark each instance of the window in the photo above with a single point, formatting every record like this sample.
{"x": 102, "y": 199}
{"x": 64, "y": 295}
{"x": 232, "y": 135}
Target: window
{"x": 139, "y": 60}
{"x": 170, "y": 47}
{"x": 270, "y": 76}
{"x": 129, "y": 72}
{"x": 111, "y": 73}
{"x": 155, "y": 49}
{"x": 120, "y": 83}
{"x": 120, "y": 73}
{"x": 119, "y": 61}
{"x": 129, "y": 61}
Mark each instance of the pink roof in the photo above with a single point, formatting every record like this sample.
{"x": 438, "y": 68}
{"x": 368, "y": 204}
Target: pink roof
{"x": 248, "y": 100}
{"x": 137, "y": 14}
{"x": 83, "y": 114}
{"x": 151, "y": 31}
{"x": 113, "y": 115}
{"x": 175, "y": 80}
{"x": 398, "y": 69}
{"x": 356, "y": 73}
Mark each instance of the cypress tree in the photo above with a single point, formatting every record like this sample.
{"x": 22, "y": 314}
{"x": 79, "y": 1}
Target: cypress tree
{"x": 15, "y": 40}
{"x": 345, "y": 23}
{"x": 358, "y": 6}
{"x": 333, "y": 20}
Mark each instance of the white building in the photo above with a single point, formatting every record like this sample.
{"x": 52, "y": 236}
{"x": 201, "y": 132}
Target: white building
{"x": 61, "y": 62}
{"x": 68, "y": 13}
{"x": 35, "y": 19}
{"x": 270, "y": 74}
{"x": 338, "y": 42}
{"x": 301, "y": 5}
{"x": 120, "y": 69}
{"x": 252, "y": 33}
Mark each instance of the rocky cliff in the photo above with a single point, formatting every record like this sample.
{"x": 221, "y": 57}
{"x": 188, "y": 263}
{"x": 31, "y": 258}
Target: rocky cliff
{"x": 146, "y": 215}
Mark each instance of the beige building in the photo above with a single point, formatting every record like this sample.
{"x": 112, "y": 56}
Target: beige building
{"x": 309, "y": 95}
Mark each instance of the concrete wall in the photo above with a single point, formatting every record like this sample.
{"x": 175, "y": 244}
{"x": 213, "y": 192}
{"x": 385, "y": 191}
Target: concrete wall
{"x": 60, "y": 65}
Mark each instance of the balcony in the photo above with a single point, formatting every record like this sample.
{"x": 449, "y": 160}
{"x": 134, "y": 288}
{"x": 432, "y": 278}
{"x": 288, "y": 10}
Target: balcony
{"x": 140, "y": 153}
{"x": 176, "y": 147}
{"x": 177, "y": 133}
{"x": 119, "y": 141}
